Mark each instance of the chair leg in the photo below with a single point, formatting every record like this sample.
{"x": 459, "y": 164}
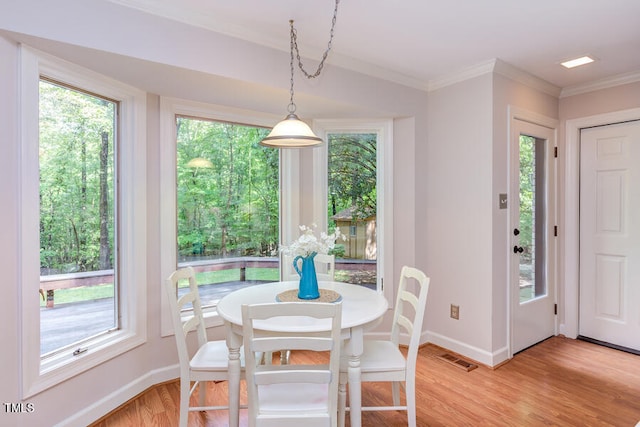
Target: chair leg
{"x": 202, "y": 392}
{"x": 342, "y": 400}
{"x": 410, "y": 395}
{"x": 185, "y": 388}
{"x": 395, "y": 392}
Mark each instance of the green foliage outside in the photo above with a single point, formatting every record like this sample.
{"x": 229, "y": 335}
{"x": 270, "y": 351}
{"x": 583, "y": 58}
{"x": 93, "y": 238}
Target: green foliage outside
{"x": 228, "y": 187}
{"x": 76, "y": 180}
{"x": 527, "y": 192}
{"x": 352, "y": 175}
{"x": 81, "y": 293}
{"x": 338, "y": 251}
{"x": 89, "y": 293}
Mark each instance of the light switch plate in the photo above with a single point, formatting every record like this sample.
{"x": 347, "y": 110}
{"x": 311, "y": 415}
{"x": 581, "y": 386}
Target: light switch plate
{"x": 503, "y": 200}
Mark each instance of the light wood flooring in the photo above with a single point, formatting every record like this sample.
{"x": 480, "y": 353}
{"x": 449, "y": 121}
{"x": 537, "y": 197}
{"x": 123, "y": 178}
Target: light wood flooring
{"x": 559, "y": 382}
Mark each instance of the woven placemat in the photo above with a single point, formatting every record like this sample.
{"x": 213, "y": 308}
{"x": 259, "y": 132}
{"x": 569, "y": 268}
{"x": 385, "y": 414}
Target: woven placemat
{"x": 326, "y": 295}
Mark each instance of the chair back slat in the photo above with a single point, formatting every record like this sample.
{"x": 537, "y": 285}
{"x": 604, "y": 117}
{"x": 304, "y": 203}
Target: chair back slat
{"x": 411, "y": 299}
{"x": 190, "y": 325}
{"x": 406, "y": 324}
{"x": 187, "y": 299}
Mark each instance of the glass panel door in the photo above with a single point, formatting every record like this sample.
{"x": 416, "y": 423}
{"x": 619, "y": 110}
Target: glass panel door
{"x": 531, "y": 231}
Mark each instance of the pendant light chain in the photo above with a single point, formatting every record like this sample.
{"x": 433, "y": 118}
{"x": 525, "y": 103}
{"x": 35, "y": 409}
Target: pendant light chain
{"x": 292, "y": 106}
{"x": 293, "y": 132}
{"x": 294, "y": 44}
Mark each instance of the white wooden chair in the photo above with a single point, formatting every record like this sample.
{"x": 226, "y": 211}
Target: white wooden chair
{"x": 292, "y": 395}
{"x": 382, "y": 360}
{"x": 325, "y": 267}
{"x": 210, "y": 360}
{"x": 325, "y": 270}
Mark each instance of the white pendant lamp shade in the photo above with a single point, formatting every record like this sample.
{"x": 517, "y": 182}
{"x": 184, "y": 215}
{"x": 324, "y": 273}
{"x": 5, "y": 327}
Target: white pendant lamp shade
{"x": 291, "y": 133}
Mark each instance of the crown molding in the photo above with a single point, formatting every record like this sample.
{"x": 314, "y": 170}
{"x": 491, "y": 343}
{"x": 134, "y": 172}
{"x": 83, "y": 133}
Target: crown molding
{"x": 606, "y": 83}
{"x": 462, "y": 75}
{"x": 500, "y": 67}
{"x": 526, "y": 79}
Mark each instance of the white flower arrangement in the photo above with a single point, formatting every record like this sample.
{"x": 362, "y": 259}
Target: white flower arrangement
{"x": 308, "y": 243}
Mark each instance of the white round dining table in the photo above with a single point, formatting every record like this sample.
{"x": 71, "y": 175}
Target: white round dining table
{"x": 361, "y": 308}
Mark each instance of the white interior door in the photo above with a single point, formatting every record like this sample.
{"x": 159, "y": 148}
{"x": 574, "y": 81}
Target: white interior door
{"x": 532, "y": 220}
{"x": 610, "y": 234}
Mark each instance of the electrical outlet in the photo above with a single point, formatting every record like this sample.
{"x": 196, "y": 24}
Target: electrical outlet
{"x": 455, "y": 311}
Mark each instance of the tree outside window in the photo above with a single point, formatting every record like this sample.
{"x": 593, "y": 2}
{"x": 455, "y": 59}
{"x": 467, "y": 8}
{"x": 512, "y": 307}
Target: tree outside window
{"x": 227, "y": 203}
{"x": 77, "y": 221}
{"x": 352, "y": 204}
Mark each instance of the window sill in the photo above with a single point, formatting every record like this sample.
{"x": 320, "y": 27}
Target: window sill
{"x": 65, "y": 365}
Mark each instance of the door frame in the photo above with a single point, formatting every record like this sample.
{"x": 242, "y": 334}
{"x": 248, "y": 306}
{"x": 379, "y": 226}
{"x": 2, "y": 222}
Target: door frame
{"x": 569, "y": 303}
{"x": 516, "y": 115}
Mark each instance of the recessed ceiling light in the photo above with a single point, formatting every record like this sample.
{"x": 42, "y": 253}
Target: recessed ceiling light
{"x": 577, "y": 62}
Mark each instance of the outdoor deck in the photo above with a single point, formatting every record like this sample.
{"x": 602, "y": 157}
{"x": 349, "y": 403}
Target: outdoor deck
{"x": 59, "y": 322}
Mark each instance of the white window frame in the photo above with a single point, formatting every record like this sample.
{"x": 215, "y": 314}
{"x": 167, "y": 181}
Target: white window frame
{"x": 384, "y": 170}
{"x": 38, "y": 374}
{"x": 169, "y": 109}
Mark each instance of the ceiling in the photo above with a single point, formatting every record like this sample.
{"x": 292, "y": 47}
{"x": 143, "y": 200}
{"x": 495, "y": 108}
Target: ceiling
{"x": 418, "y": 42}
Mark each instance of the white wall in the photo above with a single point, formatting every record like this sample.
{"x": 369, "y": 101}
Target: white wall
{"x": 406, "y": 180}
{"x": 608, "y": 100}
{"x": 454, "y": 201}
{"x": 187, "y": 63}
{"x": 9, "y": 183}
{"x": 465, "y": 242}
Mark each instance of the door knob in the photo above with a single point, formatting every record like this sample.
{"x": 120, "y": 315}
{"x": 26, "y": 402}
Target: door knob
{"x": 518, "y": 249}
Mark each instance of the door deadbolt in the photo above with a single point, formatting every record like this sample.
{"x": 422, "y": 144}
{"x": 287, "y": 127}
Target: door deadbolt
{"x": 516, "y": 231}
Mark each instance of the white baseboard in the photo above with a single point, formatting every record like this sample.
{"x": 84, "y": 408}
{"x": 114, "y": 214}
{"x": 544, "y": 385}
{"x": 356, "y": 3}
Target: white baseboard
{"x": 117, "y": 398}
{"x": 463, "y": 349}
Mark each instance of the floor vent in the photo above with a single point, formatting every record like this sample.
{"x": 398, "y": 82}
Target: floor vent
{"x": 457, "y": 361}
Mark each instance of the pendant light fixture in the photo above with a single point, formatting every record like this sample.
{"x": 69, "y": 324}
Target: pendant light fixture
{"x": 293, "y": 132}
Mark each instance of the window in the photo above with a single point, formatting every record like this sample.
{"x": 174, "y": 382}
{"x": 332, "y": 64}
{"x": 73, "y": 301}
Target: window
{"x": 219, "y": 209}
{"x": 354, "y": 177}
{"x": 227, "y": 205}
{"x": 83, "y": 192}
{"x": 352, "y": 204}
{"x": 77, "y": 221}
